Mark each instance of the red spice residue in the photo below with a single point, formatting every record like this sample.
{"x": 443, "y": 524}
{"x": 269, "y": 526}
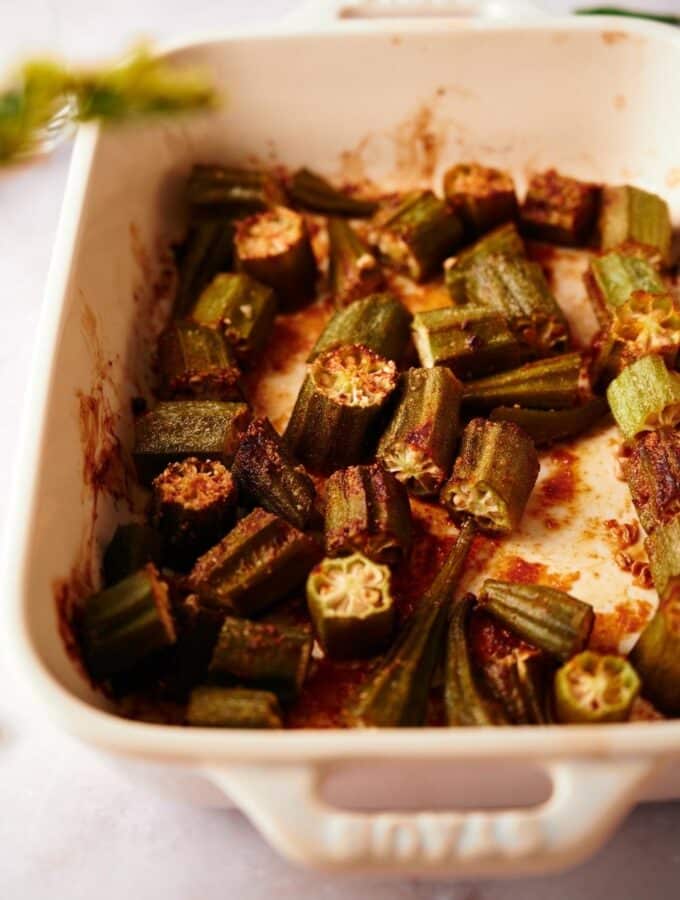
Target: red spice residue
{"x": 628, "y": 617}
{"x": 560, "y": 488}
{"x": 330, "y": 689}
{"x": 489, "y": 640}
{"x": 520, "y": 571}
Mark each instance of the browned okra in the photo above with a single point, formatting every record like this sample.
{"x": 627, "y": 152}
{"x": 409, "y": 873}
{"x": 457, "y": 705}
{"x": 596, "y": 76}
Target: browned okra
{"x": 353, "y": 271}
{"x": 656, "y": 657}
{"x": 257, "y": 564}
{"x": 483, "y": 197}
{"x": 310, "y": 191}
{"x": 493, "y": 476}
{"x": 213, "y": 706}
{"x": 652, "y": 470}
{"x": 223, "y": 192}
{"x": 559, "y": 382}
{"x": 207, "y": 250}
{"x": 132, "y": 546}
{"x": 343, "y": 392}
{"x": 196, "y": 363}
{"x": 559, "y": 209}
{"x": 505, "y": 239}
{"x": 418, "y": 443}
{"x": 663, "y": 550}
{"x": 520, "y": 683}
{"x": 612, "y": 278}
{"x": 637, "y": 222}
{"x": 646, "y": 323}
{"x": 544, "y": 426}
{"x": 268, "y": 476}
{"x": 367, "y": 511}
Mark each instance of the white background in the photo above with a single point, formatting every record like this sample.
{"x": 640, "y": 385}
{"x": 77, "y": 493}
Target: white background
{"x": 71, "y": 826}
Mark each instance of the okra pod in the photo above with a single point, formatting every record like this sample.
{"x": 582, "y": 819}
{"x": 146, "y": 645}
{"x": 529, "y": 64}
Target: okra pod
{"x": 353, "y": 271}
{"x": 379, "y": 322}
{"x": 545, "y": 617}
{"x": 212, "y": 706}
{"x": 208, "y": 249}
{"x": 351, "y": 605}
{"x": 131, "y": 547}
{"x": 420, "y": 234}
{"x": 636, "y": 221}
{"x": 242, "y": 309}
{"x": 663, "y": 550}
{"x": 645, "y": 396}
{"x": 593, "y": 688}
{"x": 647, "y": 323}
{"x": 493, "y": 476}
{"x": 219, "y": 192}
{"x": 555, "y": 383}
{"x": 612, "y": 278}
{"x": 559, "y": 209}
{"x": 207, "y": 429}
{"x": 519, "y": 683}
{"x": 367, "y": 511}
{"x": 652, "y": 471}
{"x": 545, "y": 426}
{"x": 126, "y": 623}
{"x": 656, "y": 657}
{"x": 194, "y": 504}
{"x": 418, "y": 445}
{"x": 272, "y": 657}
{"x": 505, "y": 239}
{"x": 196, "y": 363}
{"x": 268, "y": 476}
{"x": 274, "y": 248}
{"x": 309, "y": 190}
{"x": 343, "y": 392}
{"x": 396, "y": 695}
{"x": 470, "y": 343}
{"x": 482, "y": 197}
{"x": 257, "y": 564}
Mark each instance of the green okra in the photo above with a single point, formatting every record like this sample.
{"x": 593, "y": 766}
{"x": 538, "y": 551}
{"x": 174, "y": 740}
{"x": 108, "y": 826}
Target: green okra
{"x": 367, "y": 511}
{"x": 242, "y": 309}
{"x": 257, "y": 564}
{"x": 559, "y": 209}
{"x": 197, "y": 631}
{"x": 223, "y": 192}
{"x": 493, "y": 476}
{"x": 208, "y": 249}
{"x": 379, "y": 322}
{"x": 645, "y": 396}
{"x": 591, "y": 688}
{"x": 342, "y": 395}
{"x": 519, "y": 682}
{"x": 548, "y": 618}
{"x": 418, "y": 444}
{"x": 482, "y": 197}
{"x": 559, "y": 382}
{"x": 647, "y": 323}
{"x": 272, "y": 657}
{"x": 545, "y": 426}
{"x": 311, "y": 191}
{"x": 196, "y": 364}
{"x": 212, "y": 706}
{"x": 126, "y": 623}
{"x": 612, "y": 278}
{"x": 353, "y": 271}
{"x": 351, "y": 605}
{"x": 663, "y": 550}
{"x": 637, "y": 222}
{"x": 420, "y": 234}
{"x": 656, "y": 657}
{"x": 396, "y": 695}
{"x": 652, "y": 470}
{"x": 469, "y": 342}
{"x": 131, "y": 547}
{"x": 268, "y": 476}
{"x": 274, "y": 248}
{"x": 207, "y": 429}
{"x": 505, "y": 239}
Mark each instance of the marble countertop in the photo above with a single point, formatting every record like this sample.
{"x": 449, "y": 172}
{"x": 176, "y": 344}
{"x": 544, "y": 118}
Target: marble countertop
{"x": 71, "y": 825}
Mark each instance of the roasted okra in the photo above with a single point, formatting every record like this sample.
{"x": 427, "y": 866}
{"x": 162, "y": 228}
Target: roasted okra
{"x": 482, "y": 196}
{"x": 636, "y": 222}
{"x": 559, "y": 209}
{"x": 379, "y": 322}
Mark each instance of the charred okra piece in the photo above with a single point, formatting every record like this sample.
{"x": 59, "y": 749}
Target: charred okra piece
{"x": 545, "y": 617}
{"x": 556, "y": 383}
{"x": 663, "y": 549}
{"x": 342, "y": 394}
{"x": 194, "y": 504}
{"x": 310, "y": 191}
{"x": 260, "y": 561}
{"x": 126, "y": 623}
{"x": 274, "y": 248}
{"x": 219, "y": 192}
{"x": 196, "y": 363}
{"x": 647, "y": 323}
{"x": 353, "y": 271}
{"x": 466, "y": 703}
{"x": 559, "y": 209}
{"x": 544, "y": 426}
{"x": 656, "y": 657}
{"x": 482, "y": 197}
{"x": 351, "y": 605}
{"x": 242, "y": 309}
{"x": 519, "y": 683}
{"x": 593, "y": 688}
{"x": 132, "y": 546}
{"x": 379, "y": 322}
{"x": 505, "y": 240}
{"x": 367, "y": 511}
{"x": 652, "y": 471}
{"x": 645, "y": 396}
{"x": 273, "y": 657}
{"x": 418, "y": 444}
{"x": 420, "y": 234}
{"x": 397, "y": 694}
{"x": 493, "y": 476}
{"x": 637, "y": 222}
{"x": 212, "y": 706}
{"x": 269, "y": 477}
{"x": 613, "y": 277}
{"x": 207, "y": 429}
{"x": 470, "y": 343}
{"x": 207, "y": 250}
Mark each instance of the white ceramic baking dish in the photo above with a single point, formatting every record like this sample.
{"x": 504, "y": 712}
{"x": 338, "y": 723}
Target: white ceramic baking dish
{"x": 591, "y": 97}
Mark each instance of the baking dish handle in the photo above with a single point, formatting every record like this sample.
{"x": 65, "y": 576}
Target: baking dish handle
{"x": 588, "y": 800}
{"x": 328, "y": 12}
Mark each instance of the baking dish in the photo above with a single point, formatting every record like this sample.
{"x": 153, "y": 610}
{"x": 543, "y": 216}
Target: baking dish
{"x": 399, "y": 97}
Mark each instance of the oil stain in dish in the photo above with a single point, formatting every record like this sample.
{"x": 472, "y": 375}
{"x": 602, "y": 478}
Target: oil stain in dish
{"x": 521, "y": 571}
